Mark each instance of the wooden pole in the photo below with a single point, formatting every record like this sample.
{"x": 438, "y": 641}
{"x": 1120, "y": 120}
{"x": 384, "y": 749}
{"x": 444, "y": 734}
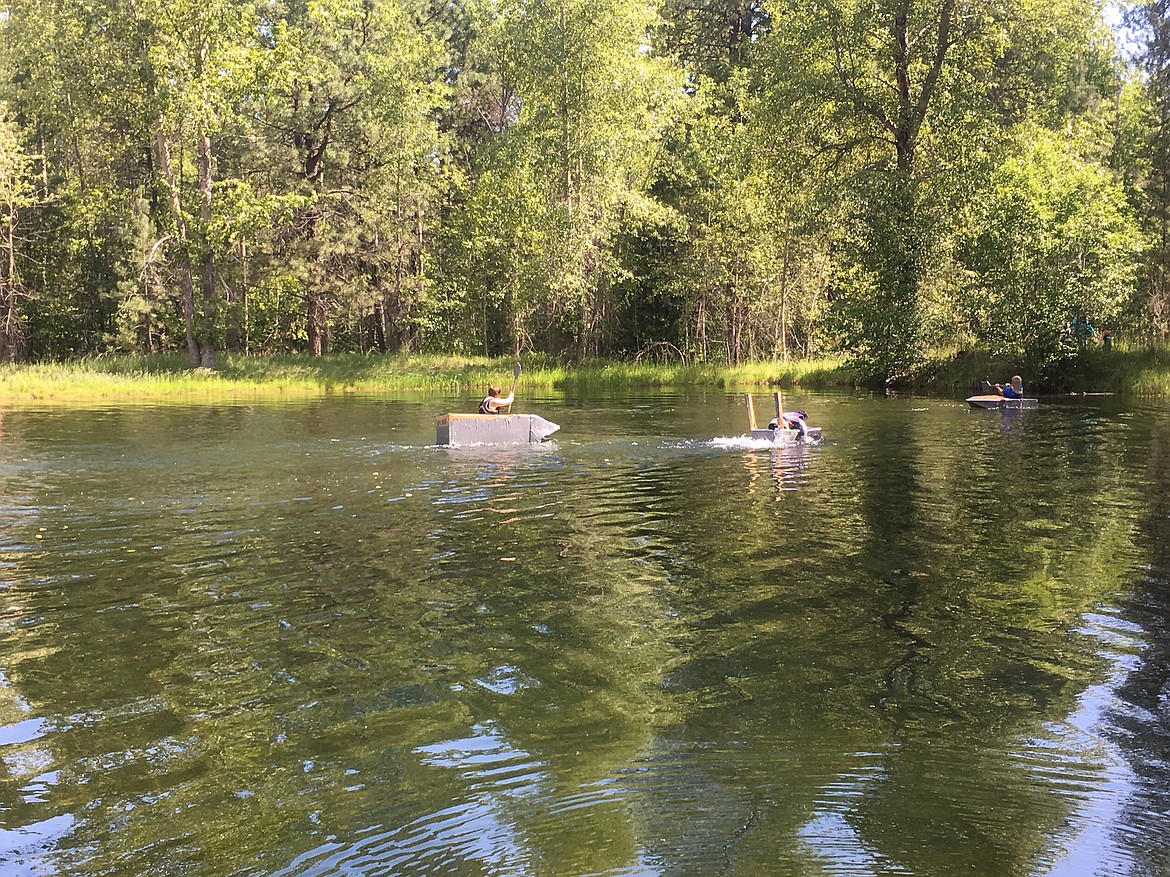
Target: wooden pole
{"x": 779, "y": 407}
{"x": 747, "y": 397}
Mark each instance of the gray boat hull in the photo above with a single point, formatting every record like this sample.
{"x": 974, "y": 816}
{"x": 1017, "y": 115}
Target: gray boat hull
{"x": 787, "y": 438}
{"x": 492, "y": 429}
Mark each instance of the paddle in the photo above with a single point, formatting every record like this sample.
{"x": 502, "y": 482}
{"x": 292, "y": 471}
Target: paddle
{"x": 512, "y": 392}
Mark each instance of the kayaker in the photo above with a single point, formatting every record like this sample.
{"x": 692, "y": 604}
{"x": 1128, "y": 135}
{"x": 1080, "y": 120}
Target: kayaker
{"x": 1014, "y": 389}
{"x": 493, "y": 401}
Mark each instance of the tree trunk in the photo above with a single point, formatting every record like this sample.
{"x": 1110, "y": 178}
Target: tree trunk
{"x": 208, "y": 312}
{"x": 912, "y": 108}
{"x": 10, "y": 329}
{"x": 317, "y": 317}
{"x": 186, "y": 280}
{"x": 784, "y": 299}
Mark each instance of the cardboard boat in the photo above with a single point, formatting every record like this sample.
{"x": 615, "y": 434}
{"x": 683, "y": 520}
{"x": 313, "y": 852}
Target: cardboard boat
{"x": 787, "y": 438}
{"x": 492, "y": 429}
{"x": 780, "y": 437}
{"x": 994, "y": 400}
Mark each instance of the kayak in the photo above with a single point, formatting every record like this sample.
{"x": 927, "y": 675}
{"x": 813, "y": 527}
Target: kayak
{"x": 994, "y": 400}
{"x": 492, "y": 429}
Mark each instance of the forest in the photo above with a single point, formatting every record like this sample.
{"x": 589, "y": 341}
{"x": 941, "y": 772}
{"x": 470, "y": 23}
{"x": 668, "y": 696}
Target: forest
{"x": 654, "y": 180}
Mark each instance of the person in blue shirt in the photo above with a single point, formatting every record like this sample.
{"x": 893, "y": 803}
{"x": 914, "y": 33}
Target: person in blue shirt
{"x": 1014, "y": 389}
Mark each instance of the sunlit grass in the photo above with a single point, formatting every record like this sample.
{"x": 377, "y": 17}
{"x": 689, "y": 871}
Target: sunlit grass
{"x": 1138, "y": 370}
{"x": 1142, "y": 371}
{"x": 160, "y": 377}
{"x": 619, "y": 374}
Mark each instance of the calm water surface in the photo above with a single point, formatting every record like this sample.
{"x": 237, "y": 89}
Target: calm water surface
{"x": 298, "y": 639}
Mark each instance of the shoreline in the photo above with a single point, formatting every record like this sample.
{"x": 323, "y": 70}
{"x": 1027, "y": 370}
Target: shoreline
{"x": 1143, "y": 373}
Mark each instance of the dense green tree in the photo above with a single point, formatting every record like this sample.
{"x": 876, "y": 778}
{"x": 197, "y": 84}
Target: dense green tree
{"x": 721, "y": 179}
{"x": 894, "y": 103}
{"x": 574, "y": 147}
{"x": 1149, "y": 160}
{"x": 712, "y": 38}
{"x": 351, "y": 104}
{"x": 728, "y": 267}
{"x": 16, "y": 194}
{"x": 736, "y": 255}
{"x": 1054, "y": 238}
{"x": 70, "y": 81}
{"x": 193, "y": 56}
{"x": 862, "y": 81}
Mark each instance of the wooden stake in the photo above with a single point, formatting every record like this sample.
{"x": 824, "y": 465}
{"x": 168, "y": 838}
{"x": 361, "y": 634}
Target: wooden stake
{"x": 779, "y": 406}
{"x": 751, "y": 410}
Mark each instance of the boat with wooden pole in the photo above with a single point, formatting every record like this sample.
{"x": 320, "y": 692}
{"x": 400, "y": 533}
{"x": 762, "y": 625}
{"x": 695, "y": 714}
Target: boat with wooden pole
{"x": 781, "y": 436}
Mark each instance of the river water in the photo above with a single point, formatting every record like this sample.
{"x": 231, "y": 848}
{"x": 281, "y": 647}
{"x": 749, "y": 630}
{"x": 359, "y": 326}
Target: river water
{"x": 298, "y": 639}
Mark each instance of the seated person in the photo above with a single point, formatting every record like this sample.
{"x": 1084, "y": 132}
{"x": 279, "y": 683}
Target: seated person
{"x": 1014, "y": 389}
{"x": 493, "y": 401}
{"x": 791, "y": 420}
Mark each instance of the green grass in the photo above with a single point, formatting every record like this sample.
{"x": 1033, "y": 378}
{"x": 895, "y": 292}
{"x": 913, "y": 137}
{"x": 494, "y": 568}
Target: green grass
{"x": 1130, "y": 370}
{"x": 622, "y": 374}
{"x": 1138, "y": 371}
{"x": 163, "y": 377}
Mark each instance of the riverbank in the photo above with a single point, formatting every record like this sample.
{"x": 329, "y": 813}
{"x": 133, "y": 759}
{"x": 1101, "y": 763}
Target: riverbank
{"x": 162, "y": 377}
{"x": 1143, "y": 372}
{"x": 1132, "y": 371}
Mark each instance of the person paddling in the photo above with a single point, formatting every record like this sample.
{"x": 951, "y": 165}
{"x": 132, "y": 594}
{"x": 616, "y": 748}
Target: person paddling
{"x": 493, "y": 401}
{"x": 1014, "y": 389}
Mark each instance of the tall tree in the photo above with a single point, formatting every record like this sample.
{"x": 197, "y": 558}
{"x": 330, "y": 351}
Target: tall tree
{"x": 592, "y": 103}
{"x": 889, "y": 102}
{"x": 866, "y": 77}
{"x": 16, "y": 194}
{"x": 1150, "y": 22}
{"x": 744, "y": 271}
{"x": 196, "y": 59}
{"x": 354, "y": 96}
{"x": 71, "y": 82}
{"x": 726, "y": 268}
{"x": 1053, "y": 237}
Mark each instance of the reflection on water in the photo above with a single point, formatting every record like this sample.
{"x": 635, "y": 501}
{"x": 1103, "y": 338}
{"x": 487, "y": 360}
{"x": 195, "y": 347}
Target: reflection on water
{"x": 935, "y": 644}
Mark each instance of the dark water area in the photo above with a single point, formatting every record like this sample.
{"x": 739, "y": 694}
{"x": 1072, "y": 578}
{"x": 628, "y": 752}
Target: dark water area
{"x": 299, "y": 639}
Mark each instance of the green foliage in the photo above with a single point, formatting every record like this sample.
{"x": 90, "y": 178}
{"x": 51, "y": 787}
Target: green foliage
{"x": 16, "y": 196}
{"x": 1144, "y": 123}
{"x": 1052, "y": 238}
{"x": 896, "y": 110}
{"x": 584, "y": 105}
{"x": 720, "y": 181}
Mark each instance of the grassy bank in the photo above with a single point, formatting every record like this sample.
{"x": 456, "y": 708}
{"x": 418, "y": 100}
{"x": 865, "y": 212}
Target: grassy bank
{"x": 163, "y": 377}
{"x": 1136, "y": 371}
{"x": 1141, "y": 372}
